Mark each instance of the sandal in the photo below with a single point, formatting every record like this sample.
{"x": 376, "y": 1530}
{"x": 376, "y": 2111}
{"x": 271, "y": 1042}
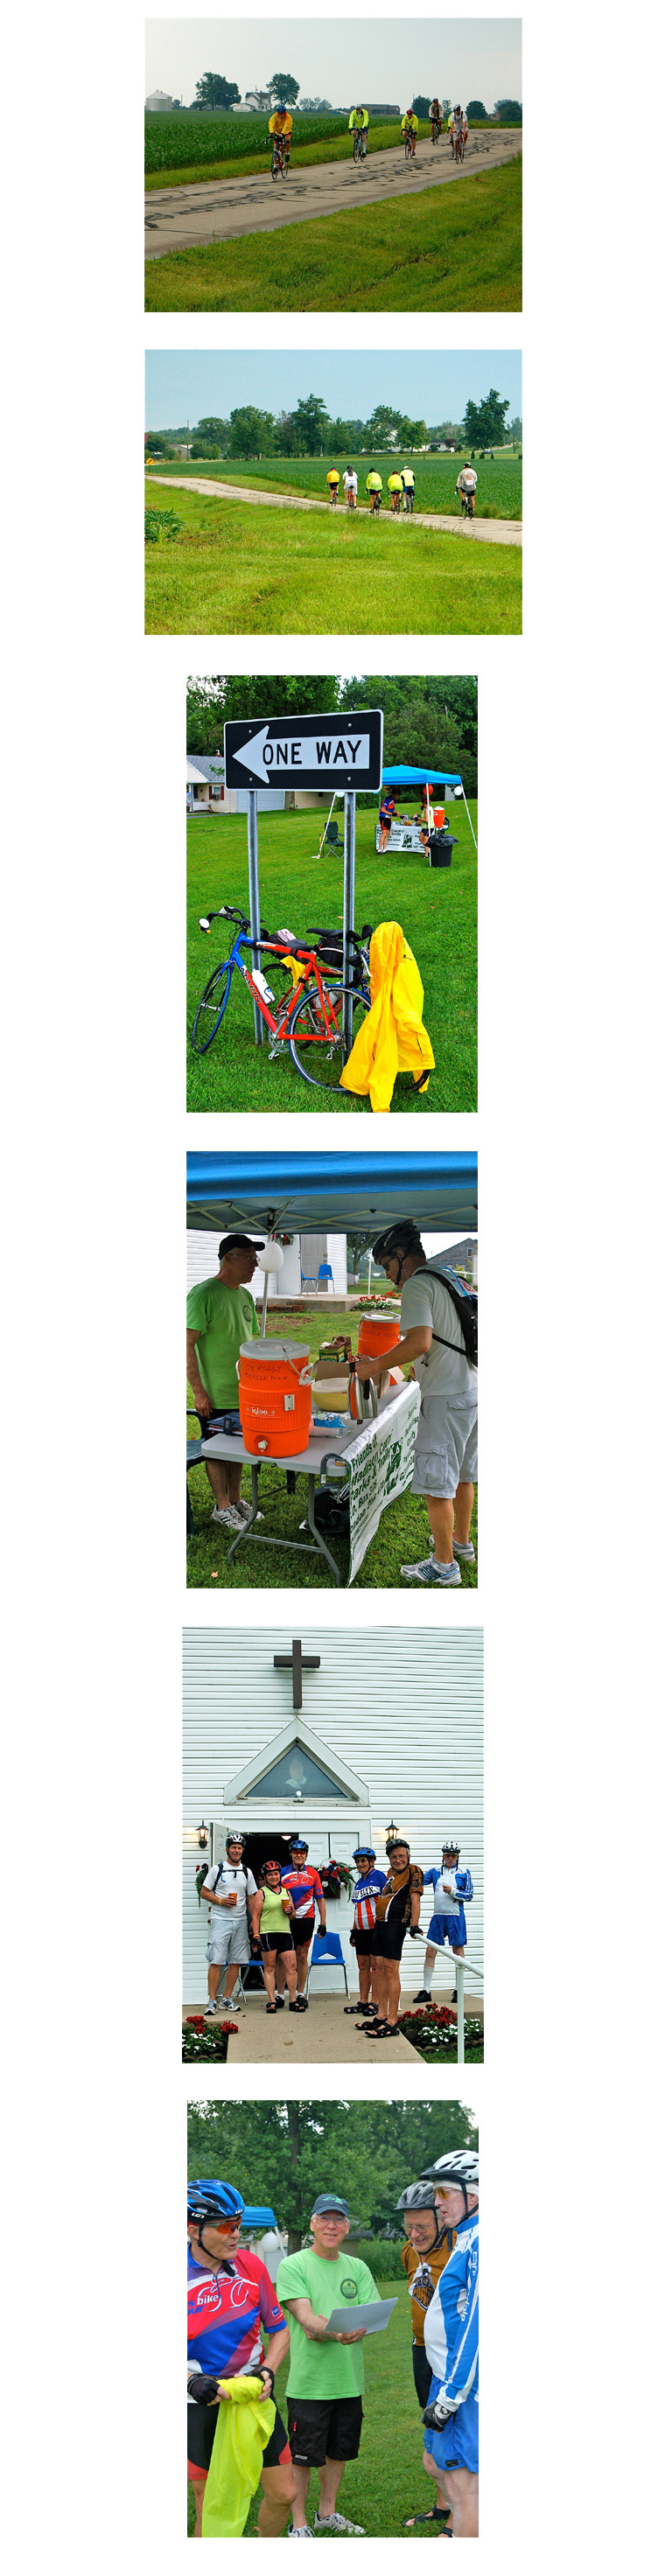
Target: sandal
{"x": 381, "y": 2030}
{"x": 356, "y": 2010}
{"x": 437, "y": 2513}
{"x": 271, "y": 2007}
{"x": 301, "y": 2004}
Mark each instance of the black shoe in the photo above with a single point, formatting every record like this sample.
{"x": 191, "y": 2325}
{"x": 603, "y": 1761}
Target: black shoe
{"x": 279, "y": 2000}
{"x": 422, "y": 1997}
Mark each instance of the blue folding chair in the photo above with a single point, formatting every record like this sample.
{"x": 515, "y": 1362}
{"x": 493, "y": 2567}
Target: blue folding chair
{"x": 307, "y": 1279}
{"x": 327, "y": 1952}
{"x": 325, "y": 1272}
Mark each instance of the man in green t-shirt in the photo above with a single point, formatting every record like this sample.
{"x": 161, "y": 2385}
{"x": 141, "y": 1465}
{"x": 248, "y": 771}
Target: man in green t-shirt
{"x": 326, "y": 2377}
{"x": 220, "y": 1315}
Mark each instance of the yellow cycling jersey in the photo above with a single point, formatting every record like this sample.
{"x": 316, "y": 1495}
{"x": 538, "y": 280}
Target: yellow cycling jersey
{"x": 374, "y": 483}
{"x": 395, "y": 483}
{"x": 280, "y": 124}
{"x": 360, "y": 121}
{"x": 411, "y": 122}
{"x": 332, "y": 478}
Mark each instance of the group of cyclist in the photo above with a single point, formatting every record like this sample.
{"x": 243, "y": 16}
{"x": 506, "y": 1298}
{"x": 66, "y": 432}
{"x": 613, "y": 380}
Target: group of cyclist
{"x": 401, "y": 486}
{"x": 280, "y": 129}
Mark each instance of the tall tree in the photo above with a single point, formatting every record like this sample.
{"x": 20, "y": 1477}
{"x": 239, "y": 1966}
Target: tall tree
{"x": 285, "y": 2153}
{"x": 485, "y": 422}
{"x": 284, "y": 86}
{"x": 476, "y": 110}
{"x": 211, "y": 427}
{"x": 214, "y": 91}
{"x": 311, "y": 422}
{"x": 251, "y": 432}
{"x": 509, "y": 110}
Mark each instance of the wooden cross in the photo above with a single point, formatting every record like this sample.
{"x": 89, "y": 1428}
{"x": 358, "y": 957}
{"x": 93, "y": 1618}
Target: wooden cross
{"x": 297, "y": 1663}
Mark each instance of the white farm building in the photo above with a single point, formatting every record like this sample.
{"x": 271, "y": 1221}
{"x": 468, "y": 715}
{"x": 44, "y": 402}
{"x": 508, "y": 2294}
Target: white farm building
{"x": 389, "y": 1734}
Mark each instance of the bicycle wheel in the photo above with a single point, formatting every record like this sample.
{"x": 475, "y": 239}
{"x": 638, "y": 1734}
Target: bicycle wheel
{"x": 210, "y": 1010}
{"x": 317, "y": 1056}
{"x": 356, "y": 147}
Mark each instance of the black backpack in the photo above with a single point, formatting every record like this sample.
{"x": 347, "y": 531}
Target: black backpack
{"x": 466, "y": 1309}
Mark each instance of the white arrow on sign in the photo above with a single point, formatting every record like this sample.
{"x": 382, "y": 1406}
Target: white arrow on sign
{"x": 332, "y": 755}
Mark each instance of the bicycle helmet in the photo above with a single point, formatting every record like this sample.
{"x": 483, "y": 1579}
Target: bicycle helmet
{"x": 281, "y": 107}
{"x": 297, "y": 1843}
{"x": 418, "y": 2195}
{"x": 459, "y": 2169}
{"x": 271, "y": 1864}
{"x": 364, "y": 1852}
{"x": 397, "y": 1239}
{"x": 450, "y": 1845}
{"x": 212, "y": 2200}
{"x": 398, "y": 1842}
{"x": 236, "y": 1838}
{"x": 457, "y": 111}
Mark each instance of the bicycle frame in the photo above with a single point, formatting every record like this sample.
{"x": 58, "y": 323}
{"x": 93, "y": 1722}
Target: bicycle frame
{"x": 280, "y": 1028}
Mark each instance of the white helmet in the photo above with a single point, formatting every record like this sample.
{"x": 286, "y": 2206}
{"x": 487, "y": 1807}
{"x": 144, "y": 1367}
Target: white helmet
{"x": 460, "y": 2169}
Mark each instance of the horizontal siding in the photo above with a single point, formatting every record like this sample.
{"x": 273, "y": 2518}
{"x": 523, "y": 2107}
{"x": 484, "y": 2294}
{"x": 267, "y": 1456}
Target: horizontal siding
{"x": 403, "y": 1709}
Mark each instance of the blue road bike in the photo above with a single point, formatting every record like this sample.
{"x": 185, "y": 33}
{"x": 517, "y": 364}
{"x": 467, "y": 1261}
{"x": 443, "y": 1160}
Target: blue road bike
{"x": 307, "y": 1017}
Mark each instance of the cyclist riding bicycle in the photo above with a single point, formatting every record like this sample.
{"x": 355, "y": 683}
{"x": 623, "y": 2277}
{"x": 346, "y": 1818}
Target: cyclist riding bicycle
{"x": 358, "y": 124}
{"x": 395, "y": 487}
{"x": 350, "y": 482}
{"x": 332, "y": 480}
{"x": 409, "y": 125}
{"x": 408, "y": 485}
{"x": 281, "y": 124}
{"x": 458, "y": 124}
{"x": 435, "y": 116}
{"x": 466, "y": 483}
{"x": 374, "y": 486}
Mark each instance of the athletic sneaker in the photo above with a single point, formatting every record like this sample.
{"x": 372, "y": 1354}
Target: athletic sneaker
{"x": 210, "y": 2012}
{"x": 423, "y": 1996}
{"x": 338, "y": 2522}
{"x": 229, "y": 1518}
{"x": 245, "y": 1510}
{"x": 465, "y": 1553}
{"x": 430, "y": 1572}
{"x": 300, "y": 2531}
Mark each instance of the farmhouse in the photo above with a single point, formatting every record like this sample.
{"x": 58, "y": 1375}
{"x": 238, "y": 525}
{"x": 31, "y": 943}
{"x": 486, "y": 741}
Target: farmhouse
{"x": 388, "y": 1734}
{"x": 207, "y": 794}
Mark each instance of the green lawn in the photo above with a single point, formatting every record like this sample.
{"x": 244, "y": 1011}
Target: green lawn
{"x": 235, "y": 570}
{"x": 437, "y": 911}
{"x": 452, "y": 249}
{"x": 401, "y": 1539}
{"x": 387, "y": 2481}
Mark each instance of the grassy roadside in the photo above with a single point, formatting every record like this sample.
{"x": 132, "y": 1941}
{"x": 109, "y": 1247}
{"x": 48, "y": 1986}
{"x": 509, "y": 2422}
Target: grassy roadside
{"x": 233, "y": 571}
{"x": 499, "y": 493}
{"x": 437, "y": 910}
{"x": 334, "y": 147}
{"x": 454, "y": 249}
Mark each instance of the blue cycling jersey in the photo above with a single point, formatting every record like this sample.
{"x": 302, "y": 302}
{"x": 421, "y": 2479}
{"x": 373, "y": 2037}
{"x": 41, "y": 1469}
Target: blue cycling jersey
{"x": 451, "y": 2323}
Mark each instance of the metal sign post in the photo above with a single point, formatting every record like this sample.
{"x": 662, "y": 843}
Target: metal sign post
{"x": 348, "y": 919}
{"x": 254, "y": 907}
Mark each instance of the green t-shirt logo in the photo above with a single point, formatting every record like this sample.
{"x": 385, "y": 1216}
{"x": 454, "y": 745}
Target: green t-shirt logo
{"x": 349, "y": 2289}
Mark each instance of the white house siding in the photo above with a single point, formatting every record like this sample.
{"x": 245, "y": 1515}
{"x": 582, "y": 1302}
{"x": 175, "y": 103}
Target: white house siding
{"x": 402, "y": 1709}
{"x": 202, "y": 1264}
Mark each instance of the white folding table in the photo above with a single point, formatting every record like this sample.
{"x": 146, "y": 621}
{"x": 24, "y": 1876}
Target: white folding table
{"x": 326, "y": 1449}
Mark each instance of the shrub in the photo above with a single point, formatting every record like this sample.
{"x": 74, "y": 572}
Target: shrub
{"x": 203, "y": 2040}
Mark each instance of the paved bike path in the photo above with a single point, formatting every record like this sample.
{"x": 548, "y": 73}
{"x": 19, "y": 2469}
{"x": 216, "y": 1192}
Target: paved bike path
{"x": 491, "y": 532}
{"x": 224, "y": 209}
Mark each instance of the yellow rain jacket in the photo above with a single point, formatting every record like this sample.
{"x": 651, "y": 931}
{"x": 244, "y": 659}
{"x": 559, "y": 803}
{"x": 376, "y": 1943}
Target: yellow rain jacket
{"x": 242, "y": 2430}
{"x": 392, "y": 1039}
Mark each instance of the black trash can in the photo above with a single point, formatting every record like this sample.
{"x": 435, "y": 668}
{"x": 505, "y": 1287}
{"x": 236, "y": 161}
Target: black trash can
{"x": 441, "y": 850}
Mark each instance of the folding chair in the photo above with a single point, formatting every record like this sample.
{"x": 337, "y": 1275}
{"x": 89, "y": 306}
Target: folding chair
{"x": 327, "y": 1952}
{"x": 332, "y": 836}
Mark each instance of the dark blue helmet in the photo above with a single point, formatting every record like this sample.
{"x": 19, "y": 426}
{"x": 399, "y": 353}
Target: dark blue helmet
{"x": 213, "y": 2200}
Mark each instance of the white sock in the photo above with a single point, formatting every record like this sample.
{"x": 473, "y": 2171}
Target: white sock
{"x": 427, "y": 1977}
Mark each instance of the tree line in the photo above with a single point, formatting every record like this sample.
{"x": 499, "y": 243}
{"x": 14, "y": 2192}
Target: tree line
{"x": 430, "y": 721}
{"x": 309, "y": 430}
{"x": 284, "y": 2153}
{"x": 214, "y": 91}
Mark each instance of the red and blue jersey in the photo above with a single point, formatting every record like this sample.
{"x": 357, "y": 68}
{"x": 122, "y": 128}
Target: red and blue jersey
{"x": 225, "y": 2313}
{"x": 364, "y": 1899}
{"x": 303, "y": 1886}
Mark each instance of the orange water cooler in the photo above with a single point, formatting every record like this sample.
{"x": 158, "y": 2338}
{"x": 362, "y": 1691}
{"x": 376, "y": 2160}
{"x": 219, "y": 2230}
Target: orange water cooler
{"x": 275, "y": 1405}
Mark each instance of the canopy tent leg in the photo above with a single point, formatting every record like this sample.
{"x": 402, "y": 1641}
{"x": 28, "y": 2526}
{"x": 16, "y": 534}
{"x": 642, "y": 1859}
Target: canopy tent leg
{"x": 349, "y": 916}
{"x": 471, "y": 829}
{"x": 254, "y": 905}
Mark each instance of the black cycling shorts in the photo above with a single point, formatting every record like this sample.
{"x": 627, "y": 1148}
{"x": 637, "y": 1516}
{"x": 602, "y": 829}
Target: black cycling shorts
{"x": 388, "y": 1938}
{"x": 364, "y": 1944}
{"x": 201, "y": 2424}
{"x": 302, "y": 1928}
{"x": 275, "y": 1940}
{"x": 327, "y": 2428}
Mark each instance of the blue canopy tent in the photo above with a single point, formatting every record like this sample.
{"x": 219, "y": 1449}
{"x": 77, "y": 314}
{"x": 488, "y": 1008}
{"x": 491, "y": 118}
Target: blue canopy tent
{"x": 405, "y": 776}
{"x": 255, "y": 2217}
{"x": 355, "y": 1194}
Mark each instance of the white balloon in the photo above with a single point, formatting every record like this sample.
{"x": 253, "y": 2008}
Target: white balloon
{"x": 271, "y": 1258}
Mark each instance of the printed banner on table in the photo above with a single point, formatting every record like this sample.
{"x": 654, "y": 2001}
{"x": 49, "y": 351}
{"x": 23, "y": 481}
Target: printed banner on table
{"x": 380, "y": 1466}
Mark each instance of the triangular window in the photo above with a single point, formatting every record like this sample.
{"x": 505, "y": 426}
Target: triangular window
{"x": 296, "y": 1775}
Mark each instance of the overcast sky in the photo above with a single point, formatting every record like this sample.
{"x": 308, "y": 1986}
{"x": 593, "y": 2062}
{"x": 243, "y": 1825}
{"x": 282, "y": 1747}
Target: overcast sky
{"x": 184, "y": 385}
{"x": 395, "y": 60}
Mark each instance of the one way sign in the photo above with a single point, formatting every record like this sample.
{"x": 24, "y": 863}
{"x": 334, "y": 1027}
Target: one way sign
{"x": 306, "y": 751}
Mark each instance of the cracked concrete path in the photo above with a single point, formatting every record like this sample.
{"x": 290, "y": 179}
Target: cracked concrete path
{"x": 491, "y": 532}
{"x": 224, "y": 209}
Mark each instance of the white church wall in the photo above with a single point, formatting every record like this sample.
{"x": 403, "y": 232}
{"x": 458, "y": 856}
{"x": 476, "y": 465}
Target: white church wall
{"x": 402, "y": 1709}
